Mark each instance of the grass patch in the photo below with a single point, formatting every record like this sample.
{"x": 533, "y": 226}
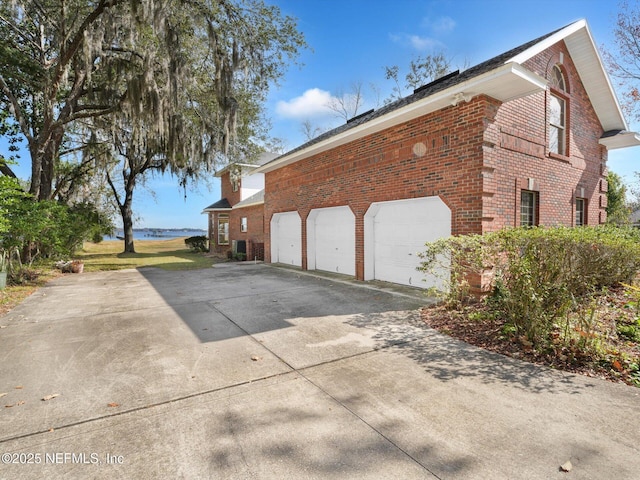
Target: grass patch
{"x": 13, "y": 295}
{"x": 170, "y": 254}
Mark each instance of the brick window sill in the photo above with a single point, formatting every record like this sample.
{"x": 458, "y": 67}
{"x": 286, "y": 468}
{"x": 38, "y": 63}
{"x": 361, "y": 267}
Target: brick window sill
{"x": 562, "y": 158}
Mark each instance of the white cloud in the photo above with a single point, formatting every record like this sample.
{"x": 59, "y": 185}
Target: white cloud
{"x": 312, "y": 103}
{"x": 439, "y": 25}
{"x": 415, "y": 41}
{"x": 434, "y": 26}
{"x": 423, "y": 43}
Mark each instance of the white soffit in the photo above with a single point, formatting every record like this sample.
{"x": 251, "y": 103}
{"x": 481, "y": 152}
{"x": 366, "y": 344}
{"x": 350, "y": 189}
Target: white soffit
{"x": 586, "y": 58}
{"x": 504, "y": 83}
{"x": 621, "y": 140}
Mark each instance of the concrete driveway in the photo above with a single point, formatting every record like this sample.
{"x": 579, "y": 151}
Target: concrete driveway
{"x": 248, "y": 371}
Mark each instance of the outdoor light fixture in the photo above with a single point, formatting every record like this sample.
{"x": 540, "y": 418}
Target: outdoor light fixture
{"x": 461, "y": 96}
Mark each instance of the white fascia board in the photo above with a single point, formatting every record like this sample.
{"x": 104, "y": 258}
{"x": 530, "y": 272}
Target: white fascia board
{"x": 207, "y": 210}
{"x": 219, "y": 173}
{"x": 504, "y": 83}
{"x": 245, "y": 205}
{"x": 597, "y": 82}
{"x": 548, "y": 42}
{"x": 621, "y": 140}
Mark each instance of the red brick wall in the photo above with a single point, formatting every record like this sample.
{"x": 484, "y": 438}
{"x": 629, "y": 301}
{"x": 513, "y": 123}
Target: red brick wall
{"x": 388, "y": 166}
{"x": 226, "y": 189}
{"x": 255, "y": 228}
{"x": 476, "y": 156}
{"x": 517, "y": 150}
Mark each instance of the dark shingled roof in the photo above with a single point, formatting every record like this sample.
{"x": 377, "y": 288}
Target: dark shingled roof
{"x": 220, "y": 204}
{"x": 425, "y": 91}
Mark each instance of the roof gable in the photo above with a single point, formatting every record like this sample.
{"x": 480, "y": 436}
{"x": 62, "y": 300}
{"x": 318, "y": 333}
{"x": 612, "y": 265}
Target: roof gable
{"x": 586, "y": 58}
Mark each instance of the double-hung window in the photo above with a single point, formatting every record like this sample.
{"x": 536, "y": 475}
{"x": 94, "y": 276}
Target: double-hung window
{"x": 581, "y": 203}
{"x": 557, "y": 113}
{"x": 528, "y": 208}
{"x": 557, "y": 135}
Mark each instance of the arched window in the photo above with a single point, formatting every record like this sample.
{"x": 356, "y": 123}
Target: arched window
{"x": 557, "y": 79}
{"x": 558, "y": 112}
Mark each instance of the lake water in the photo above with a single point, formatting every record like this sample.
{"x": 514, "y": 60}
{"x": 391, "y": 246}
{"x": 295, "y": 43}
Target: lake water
{"x": 156, "y": 234}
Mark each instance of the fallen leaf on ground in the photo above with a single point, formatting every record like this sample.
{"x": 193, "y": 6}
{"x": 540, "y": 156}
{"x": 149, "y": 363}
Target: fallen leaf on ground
{"x": 19, "y": 387}
{"x": 255, "y": 358}
{"x": 113, "y": 404}
{"x": 50, "y": 397}
{"x": 617, "y": 365}
{"x": 566, "y": 466}
{"x": 3, "y": 394}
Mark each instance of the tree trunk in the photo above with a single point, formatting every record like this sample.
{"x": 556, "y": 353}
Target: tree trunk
{"x": 126, "y": 211}
{"x": 43, "y": 165}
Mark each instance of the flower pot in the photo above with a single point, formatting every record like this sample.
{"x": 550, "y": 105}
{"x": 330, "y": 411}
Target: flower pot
{"x": 77, "y": 267}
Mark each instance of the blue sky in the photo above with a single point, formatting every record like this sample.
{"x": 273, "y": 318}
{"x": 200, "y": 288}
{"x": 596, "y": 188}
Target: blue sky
{"x": 353, "y": 40}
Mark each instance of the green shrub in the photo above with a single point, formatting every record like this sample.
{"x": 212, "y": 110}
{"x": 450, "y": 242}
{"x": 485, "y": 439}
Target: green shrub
{"x": 538, "y": 276}
{"x": 630, "y": 331}
{"x": 50, "y": 229}
{"x": 197, "y": 243}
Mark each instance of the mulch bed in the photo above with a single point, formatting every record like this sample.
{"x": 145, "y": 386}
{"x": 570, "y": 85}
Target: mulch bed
{"x": 615, "y": 362}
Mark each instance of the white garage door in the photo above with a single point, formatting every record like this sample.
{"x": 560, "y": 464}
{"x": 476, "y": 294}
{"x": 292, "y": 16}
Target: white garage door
{"x": 286, "y": 238}
{"x": 396, "y": 231}
{"x": 331, "y": 240}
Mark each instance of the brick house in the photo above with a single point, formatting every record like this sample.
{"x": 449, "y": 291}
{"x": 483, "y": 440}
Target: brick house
{"x": 236, "y": 221}
{"x": 520, "y": 139}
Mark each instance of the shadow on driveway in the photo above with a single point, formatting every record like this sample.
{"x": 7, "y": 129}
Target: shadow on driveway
{"x": 260, "y": 298}
{"x": 295, "y": 314}
{"x": 447, "y": 358}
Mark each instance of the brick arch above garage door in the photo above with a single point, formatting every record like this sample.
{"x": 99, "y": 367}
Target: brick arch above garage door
{"x": 394, "y": 233}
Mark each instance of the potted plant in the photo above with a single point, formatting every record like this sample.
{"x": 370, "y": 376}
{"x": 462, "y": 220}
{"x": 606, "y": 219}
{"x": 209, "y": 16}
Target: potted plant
{"x": 77, "y": 266}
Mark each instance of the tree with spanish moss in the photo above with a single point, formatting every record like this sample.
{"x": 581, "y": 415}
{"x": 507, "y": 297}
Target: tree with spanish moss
{"x": 166, "y": 85}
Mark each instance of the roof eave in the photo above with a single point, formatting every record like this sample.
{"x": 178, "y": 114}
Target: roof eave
{"x": 222, "y": 171}
{"x": 245, "y": 205}
{"x": 207, "y": 210}
{"x": 504, "y": 83}
{"x": 621, "y": 140}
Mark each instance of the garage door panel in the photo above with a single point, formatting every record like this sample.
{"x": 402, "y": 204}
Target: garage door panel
{"x": 396, "y": 232}
{"x": 286, "y": 238}
{"x": 331, "y": 240}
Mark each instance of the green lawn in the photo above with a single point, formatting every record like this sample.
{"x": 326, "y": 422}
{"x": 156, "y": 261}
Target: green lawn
{"x": 168, "y": 254}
